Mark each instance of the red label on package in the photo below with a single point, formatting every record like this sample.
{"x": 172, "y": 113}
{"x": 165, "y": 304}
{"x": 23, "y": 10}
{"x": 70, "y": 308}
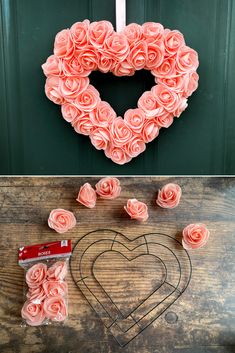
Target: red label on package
{"x": 61, "y": 248}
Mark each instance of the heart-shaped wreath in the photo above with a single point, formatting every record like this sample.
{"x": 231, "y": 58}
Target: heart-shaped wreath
{"x": 86, "y": 47}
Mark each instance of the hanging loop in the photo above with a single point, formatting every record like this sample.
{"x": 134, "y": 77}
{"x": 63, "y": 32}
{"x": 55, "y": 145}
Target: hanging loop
{"x": 120, "y": 15}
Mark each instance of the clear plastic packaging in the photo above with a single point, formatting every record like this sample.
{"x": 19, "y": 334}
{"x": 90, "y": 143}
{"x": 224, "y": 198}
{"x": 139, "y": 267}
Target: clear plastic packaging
{"x": 46, "y": 290}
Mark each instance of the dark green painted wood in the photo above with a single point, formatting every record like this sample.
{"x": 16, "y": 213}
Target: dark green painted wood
{"x": 34, "y": 139}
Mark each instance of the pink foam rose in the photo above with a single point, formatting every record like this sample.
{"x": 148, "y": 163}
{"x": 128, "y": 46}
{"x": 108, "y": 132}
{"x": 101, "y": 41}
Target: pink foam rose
{"x": 150, "y": 130}
{"x": 70, "y": 112}
{"x": 103, "y": 115}
{"x": 55, "y": 308}
{"x": 176, "y": 84}
{"x": 166, "y": 69}
{"x": 53, "y": 66}
{"x": 36, "y": 275}
{"x": 195, "y": 236}
{"x": 88, "y": 58}
{"x": 153, "y": 31}
{"x": 164, "y": 120}
{"x": 137, "y": 55}
{"x": 79, "y": 33}
{"x": 117, "y": 154}
{"x": 61, "y": 220}
{"x": 71, "y": 87}
{"x": 148, "y": 103}
{"x": 98, "y": 33}
{"x": 33, "y": 313}
{"x": 155, "y": 55}
{"x": 54, "y": 288}
{"x": 181, "y": 107}
{"x": 108, "y": 188}
{"x": 165, "y": 97}
{"x": 100, "y": 138}
{"x": 135, "y": 118}
{"x": 133, "y": 33}
{"x": 186, "y": 60}
{"x": 83, "y": 124}
{"x": 117, "y": 47}
{"x": 123, "y": 68}
{"x": 88, "y": 100}
{"x": 120, "y": 132}
{"x": 135, "y": 146}
{"x": 73, "y": 67}
{"x": 137, "y": 210}
{"x": 64, "y": 46}
{"x": 191, "y": 83}
{"x": 52, "y": 90}
{"x": 36, "y": 295}
{"x": 169, "y": 196}
{"x": 173, "y": 40}
{"x": 105, "y": 64}
{"x": 57, "y": 271}
{"x": 87, "y": 196}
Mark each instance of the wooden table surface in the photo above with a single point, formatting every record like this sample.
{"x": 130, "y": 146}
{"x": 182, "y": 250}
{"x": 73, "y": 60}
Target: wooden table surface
{"x": 203, "y": 317}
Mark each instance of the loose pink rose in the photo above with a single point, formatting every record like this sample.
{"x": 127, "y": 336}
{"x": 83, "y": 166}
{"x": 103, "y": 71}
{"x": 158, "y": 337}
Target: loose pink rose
{"x": 191, "y": 83}
{"x": 36, "y": 295}
{"x": 57, "y": 271}
{"x": 173, "y": 40}
{"x": 55, "y": 308}
{"x": 164, "y": 120}
{"x": 70, "y": 112}
{"x": 88, "y": 58}
{"x": 64, "y": 46}
{"x": 133, "y": 33}
{"x": 36, "y": 275}
{"x": 169, "y": 196}
{"x": 148, "y": 103}
{"x": 33, "y": 313}
{"x": 108, "y": 188}
{"x": 153, "y": 31}
{"x": 120, "y": 132}
{"x": 116, "y": 47}
{"x": 155, "y": 55}
{"x": 55, "y": 288}
{"x": 150, "y": 130}
{"x": 99, "y": 32}
{"x": 138, "y": 55}
{"x": 195, "y": 236}
{"x": 88, "y": 100}
{"x": 135, "y": 119}
{"x": 53, "y": 66}
{"x": 61, "y": 220}
{"x": 83, "y": 124}
{"x": 165, "y": 97}
{"x": 71, "y": 87}
{"x": 73, "y": 67}
{"x": 87, "y": 196}
{"x": 137, "y": 210}
{"x": 117, "y": 154}
{"x": 186, "y": 60}
{"x": 135, "y": 146}
{"x": 181, "y": 107}
{"x": 100, "y": 138}
{"x": 166, "y": 69}
{"x": 52, "y": 90}
{"x": 103, "y": 115}
{"x": 124, "y": 68}
{"x": 79, "y": 33}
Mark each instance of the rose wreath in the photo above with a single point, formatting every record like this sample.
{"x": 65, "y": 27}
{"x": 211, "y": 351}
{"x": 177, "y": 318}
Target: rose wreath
{"x": 86, "y": 47}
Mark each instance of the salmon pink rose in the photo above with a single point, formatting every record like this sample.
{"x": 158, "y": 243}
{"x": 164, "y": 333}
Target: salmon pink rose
{"x": 191, "y": 83}
{"x": 108, "y": 188}
{"x": 88, "y": 58}
{"x": 135, "y": 146}
{"x": 150, "y": 130}
{"x": 61, "y": 220}
{"x": 173, "y": 40}
{"x": 135, "y": 119}
{"x": 164, "y": 120}
{"x": 82, "y": 124}
{"x": 100, "y": 138}
{"x": 36, "y": 275}
{"x": 117, "y": 154}
{"x": 88, "y": 100}
{"x": 53, "y": 66}
{"x": 137, "y": 210}
{"x": 152, "y": 31}
{"x": 70, "y": 112}
{"x": 133, "y": 33}
{"x": 116, "y": 47}
{"x": 181, "y": 107}
{"x": 55, "y": 308}
{"x": 64, "y": 46}
{"x": 169, "y": 196}
{"x": 186, "y": 60}
{"x": 57, "y": 271}
{"x": 33, "y": 313}
{"x": 73, "y": 67}
{"x": 55, "y": 288}
{"x": 138, "y": 55}
{"x": 195, "y": 236}
{"x": 149, "y": 104}
{"x": 176, "y": 84}
{"x": 52, "y": 90}
{"x": 167, "y": 69}
{"x": 103, "y": 115}
{"x": 124, "y": 68}
{"x": 155, "y": 55}
{"x": 36, "y": 295}
{"x": 79, "y": 33}
{"x": 98, "y": 33}
{"x": 105, "y": 64}
{"x": 87, "y": 196}
{"x": 120, "y": 132}
{"x": 71, "y": 87}
{"x": 166, "y": 98}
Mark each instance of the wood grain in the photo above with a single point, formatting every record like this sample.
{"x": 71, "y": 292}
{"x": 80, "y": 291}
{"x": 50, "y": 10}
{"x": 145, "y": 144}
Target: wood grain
{"x": 202, "y": 320}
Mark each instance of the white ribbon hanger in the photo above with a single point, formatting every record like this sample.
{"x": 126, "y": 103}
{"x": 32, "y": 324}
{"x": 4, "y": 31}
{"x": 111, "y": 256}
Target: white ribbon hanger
{"x": 120, "y": 15}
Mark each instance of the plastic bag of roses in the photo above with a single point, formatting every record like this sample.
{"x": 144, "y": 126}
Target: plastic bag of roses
{"x": 46, "y": 289}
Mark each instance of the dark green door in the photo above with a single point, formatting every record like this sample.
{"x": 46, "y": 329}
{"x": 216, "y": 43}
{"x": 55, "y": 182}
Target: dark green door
{"x": 36, "y": 140}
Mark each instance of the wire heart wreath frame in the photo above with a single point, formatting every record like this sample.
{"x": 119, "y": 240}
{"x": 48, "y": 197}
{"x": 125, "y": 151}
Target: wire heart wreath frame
{"x": 166, "y": 250}
{"x": 86, "y": 47}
